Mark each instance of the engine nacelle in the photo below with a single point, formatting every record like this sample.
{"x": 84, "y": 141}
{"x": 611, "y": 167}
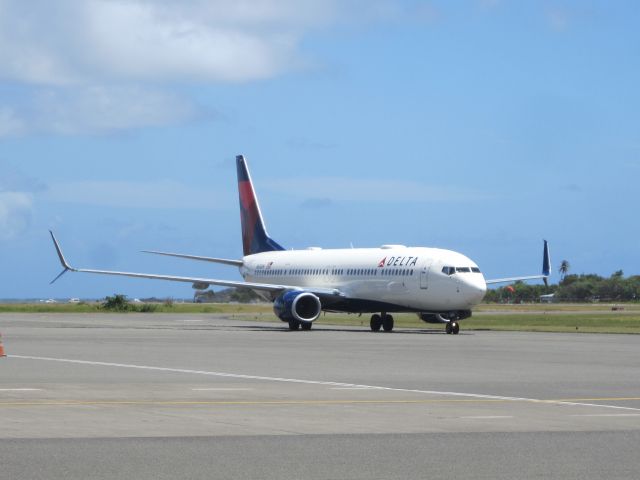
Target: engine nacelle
{"x": 297, "y": 305}
{"x": 445, "y": 317}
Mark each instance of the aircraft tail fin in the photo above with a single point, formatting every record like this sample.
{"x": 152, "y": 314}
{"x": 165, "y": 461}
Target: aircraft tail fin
{"x": 255, "y": 238}
{"x": 546, "y": 262}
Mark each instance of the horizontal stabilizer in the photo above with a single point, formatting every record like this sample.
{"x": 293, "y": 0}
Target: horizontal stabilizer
{"x": 515, "y": 279}
{"x": 225, "y": 261}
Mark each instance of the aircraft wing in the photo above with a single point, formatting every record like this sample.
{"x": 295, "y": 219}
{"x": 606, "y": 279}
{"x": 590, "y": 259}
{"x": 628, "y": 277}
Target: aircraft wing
{"x": 546, "y": 270}
{"x": 199, "y": 283}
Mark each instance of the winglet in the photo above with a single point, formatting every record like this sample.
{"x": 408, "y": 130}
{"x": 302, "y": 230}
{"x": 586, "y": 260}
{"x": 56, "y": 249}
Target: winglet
{"x": 63, "y": 261}
{"x": 546, "y": 263}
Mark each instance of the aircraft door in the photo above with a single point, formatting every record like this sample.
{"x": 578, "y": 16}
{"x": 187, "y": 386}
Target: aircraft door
{"x": 424, "y": 277}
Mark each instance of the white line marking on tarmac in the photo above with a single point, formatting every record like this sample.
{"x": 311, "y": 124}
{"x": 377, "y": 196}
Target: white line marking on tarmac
{"x": 319, "y": 382}
{"x": 488, "y": 417}
{"x": 219, "y": 389}
{"x": 20, "y": 389}
{"x": 351, "y": 388}
{"x": 608, "y": 415}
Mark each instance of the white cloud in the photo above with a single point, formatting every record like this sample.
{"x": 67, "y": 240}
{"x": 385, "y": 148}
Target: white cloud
{"x": 16, "y": 210}
{"x": 69, "y": 42}
{"x": 372, "y": 190}
{"x": 10, "y": 124}
{"x": 95, "y": 109}
{"x": 99, "y": 109}
{"x": 164, "y": 194}
{"x": 102, "y": 65}
{"x": 558, "y": 19}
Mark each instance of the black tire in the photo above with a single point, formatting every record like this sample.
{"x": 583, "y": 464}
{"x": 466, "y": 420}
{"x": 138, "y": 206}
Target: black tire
{"x": 448, "y": 328}
{"x": 294, "y": 325}
{"x": 306, "y": 325}
{"x": 376, "y": 323}
{"x": 455, "y": 328}
{"x": 387, "y": 323}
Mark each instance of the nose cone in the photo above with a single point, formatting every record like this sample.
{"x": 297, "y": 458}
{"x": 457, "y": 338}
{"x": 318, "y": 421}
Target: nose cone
{"x": 474, "y": 288}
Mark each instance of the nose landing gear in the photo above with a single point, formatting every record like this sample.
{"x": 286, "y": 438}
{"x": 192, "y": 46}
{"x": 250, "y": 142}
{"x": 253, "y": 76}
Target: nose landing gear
{"x": 383, "y": 321}
{"x": 452, "y": 328}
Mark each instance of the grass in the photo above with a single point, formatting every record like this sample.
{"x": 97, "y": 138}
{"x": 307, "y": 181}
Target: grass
{"x": 591, "y": 318}
{"x": 94, "y": 307}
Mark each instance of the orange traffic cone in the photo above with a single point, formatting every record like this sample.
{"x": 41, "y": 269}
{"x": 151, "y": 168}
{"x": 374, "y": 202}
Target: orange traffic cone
{"x": 2, "y": 354}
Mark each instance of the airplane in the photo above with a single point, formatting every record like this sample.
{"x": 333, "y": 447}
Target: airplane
{"x": 440, "y": 286}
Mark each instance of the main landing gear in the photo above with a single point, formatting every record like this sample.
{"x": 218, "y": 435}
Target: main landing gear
{"x": 452, "y": 328}
{"x": 385, "y": 321}
{"x": 295, "y": 325}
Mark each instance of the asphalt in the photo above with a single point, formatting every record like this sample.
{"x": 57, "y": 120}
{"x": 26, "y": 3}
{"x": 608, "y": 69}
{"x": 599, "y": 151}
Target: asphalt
{"x": 207, "y": 396}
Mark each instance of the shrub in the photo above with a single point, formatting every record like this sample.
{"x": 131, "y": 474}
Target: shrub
{"x": 117, "y": 303}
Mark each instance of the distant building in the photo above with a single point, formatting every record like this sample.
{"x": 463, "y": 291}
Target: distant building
{"x": 549, "y": 298}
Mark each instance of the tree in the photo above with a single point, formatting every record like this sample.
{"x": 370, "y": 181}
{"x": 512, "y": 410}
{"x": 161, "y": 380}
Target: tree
{"x": 565, "y": 266}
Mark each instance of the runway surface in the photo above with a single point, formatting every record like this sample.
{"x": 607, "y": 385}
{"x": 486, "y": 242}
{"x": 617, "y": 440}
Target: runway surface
{"x": 204, "y": 396}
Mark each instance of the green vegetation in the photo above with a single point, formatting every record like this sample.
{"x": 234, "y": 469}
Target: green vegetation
{"x": 573, "y": 288}
{"x": 158, "y": 307}
{"x": 117, "y": 303}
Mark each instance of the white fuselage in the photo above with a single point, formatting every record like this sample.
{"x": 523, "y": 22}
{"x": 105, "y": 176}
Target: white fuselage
{"x": 411, "y": 278}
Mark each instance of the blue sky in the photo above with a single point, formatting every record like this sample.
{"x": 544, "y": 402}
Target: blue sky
{"x": 480, "y": 126}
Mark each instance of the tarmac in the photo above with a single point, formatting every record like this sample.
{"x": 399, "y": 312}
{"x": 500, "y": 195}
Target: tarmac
{"x": 209, "y": 396}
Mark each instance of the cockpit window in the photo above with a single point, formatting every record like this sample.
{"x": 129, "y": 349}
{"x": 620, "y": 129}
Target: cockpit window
{"x": 463, "y": 269}
{"x": 448, "y": 270}
{"x": 475, "y": 269}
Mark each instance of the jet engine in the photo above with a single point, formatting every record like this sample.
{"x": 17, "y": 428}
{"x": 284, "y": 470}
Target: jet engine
{"x": 297, "y": 305}
{"x": 445, "y": 317}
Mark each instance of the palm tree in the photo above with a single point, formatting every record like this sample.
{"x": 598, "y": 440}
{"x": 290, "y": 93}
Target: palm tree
{"x": 565, "y": 266}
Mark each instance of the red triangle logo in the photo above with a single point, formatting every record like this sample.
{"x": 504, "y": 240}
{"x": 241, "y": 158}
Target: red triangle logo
{"x": 381, "y": 264}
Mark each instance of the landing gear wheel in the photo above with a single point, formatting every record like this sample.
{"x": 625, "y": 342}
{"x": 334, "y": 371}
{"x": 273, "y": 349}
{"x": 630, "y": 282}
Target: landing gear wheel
{"x": 306, "y": 325}
{"x": 294, "y": 324}
{"x": 376, "y": 323}
{"x": 387, "y": 323}
{"x": 448, "y": 328}
{"x": 455, "y": 328}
